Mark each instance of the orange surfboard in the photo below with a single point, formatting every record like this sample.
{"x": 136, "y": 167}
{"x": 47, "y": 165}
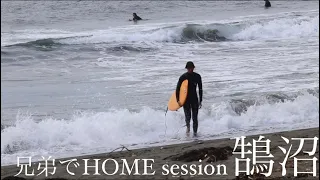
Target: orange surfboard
{"x": 173, "y": 104}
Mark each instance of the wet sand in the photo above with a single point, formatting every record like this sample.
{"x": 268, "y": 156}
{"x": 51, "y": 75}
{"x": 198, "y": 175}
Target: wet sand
{"x": 213, "y": 154}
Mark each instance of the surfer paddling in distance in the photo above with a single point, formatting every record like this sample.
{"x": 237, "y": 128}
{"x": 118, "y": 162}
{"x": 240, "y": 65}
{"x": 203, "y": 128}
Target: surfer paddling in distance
{"x": 192, "y": 104}
{"x": 267, "y": 4}
{"x": 135, "y": 17}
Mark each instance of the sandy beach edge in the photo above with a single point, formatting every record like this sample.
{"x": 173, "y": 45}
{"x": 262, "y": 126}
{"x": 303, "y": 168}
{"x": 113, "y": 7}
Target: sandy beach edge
{"x": 175, "y": 161}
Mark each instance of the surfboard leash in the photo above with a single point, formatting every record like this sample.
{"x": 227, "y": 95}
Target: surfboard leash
{"x": 165, "y": 122}
{"x": 166, "y": 112}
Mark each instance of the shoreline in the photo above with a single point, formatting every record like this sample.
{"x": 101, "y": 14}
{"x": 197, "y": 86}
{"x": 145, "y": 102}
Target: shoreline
{"x": 215, "y": 152}
{"x": 134, "y": 146}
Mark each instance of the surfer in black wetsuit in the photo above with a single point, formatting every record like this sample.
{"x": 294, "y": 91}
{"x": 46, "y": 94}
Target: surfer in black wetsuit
{"x": 267, "y": 3}
{"x": 136, "y": 17}
{"x": 192, "y": 103}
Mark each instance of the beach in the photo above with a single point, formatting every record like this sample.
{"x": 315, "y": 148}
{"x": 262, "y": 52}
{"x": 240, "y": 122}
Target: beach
{"x": 190, "y": 153}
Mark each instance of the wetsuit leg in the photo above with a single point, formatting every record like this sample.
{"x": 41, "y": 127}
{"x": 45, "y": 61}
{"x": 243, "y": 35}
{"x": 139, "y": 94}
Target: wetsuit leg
{"x": 195, "y": 108}
{"x": 187, "y": 114}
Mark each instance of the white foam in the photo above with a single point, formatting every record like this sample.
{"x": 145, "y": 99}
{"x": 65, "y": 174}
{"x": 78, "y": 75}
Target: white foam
{"x": 280, "y": 28}
{"x": 285, "y": 25}
{"x": 24, "y": 36}
{"x": 100, "y": 132}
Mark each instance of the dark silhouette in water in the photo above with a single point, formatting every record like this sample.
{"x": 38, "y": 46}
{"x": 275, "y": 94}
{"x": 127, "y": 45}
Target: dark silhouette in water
{"x": 136, "y": 17}
{"x": 267, "y": 3}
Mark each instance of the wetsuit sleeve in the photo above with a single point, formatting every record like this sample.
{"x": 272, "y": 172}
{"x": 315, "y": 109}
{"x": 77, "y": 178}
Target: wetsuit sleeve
{"x": 200, "y": 88}
{"x": 178, "y": 88}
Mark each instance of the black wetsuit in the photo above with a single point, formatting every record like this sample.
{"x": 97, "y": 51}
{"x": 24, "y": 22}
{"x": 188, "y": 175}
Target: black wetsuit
{"x": 136, "y": 18}
{"x": 192, "y": 102}
{"x": 267, "y": 4}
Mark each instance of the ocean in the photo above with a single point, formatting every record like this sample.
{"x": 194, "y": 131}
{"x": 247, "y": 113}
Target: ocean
{"x": 77, "y": 77}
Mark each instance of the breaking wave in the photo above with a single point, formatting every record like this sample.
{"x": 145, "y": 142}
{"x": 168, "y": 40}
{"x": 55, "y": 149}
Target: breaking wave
{"x": 289, "y": 26}
{"x": 92, "y": 132}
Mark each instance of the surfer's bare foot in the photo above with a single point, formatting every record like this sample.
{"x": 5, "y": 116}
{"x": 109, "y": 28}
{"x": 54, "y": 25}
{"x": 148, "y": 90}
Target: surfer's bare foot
{"x": 195, "y": 134}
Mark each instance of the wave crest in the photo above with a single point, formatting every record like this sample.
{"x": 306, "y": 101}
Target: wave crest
{"x": 289, "y": 26}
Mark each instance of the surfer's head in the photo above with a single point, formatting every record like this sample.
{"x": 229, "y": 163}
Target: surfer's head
{"x": 134, "y": 14}
{"x": 190, "y": 66}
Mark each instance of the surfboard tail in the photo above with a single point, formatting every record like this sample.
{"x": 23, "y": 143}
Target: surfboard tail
{"x": 173, "y": 104}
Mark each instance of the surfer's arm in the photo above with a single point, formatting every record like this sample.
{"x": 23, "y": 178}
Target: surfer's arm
{"x": 178, "y": 88}
{"x": 200, "y": 88}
